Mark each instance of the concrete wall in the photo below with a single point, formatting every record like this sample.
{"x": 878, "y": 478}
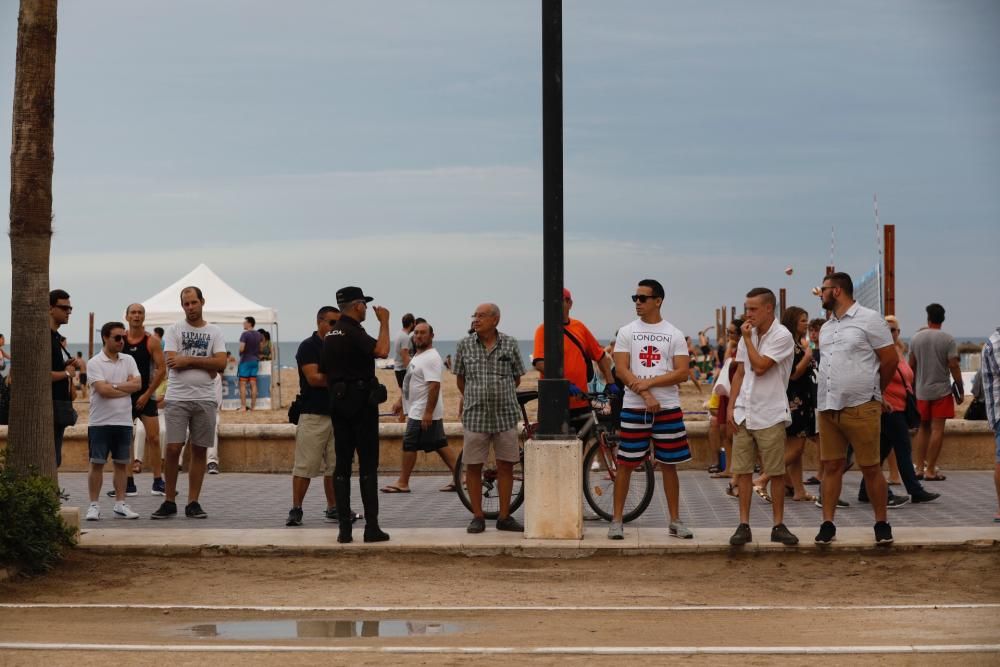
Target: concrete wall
{"x": 271, "y": 447}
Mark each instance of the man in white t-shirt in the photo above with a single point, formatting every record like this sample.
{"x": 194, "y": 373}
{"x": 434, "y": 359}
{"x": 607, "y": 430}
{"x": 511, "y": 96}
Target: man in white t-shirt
{"x": 113, "y": 376}
{"x": 422, "y": 404}
{"x": 196, "y": 354}
{"x": 758, "y": 412}
{"x": 651, "y": 358}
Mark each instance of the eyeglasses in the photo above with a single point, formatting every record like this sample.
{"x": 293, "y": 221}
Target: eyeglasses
{"x": 68, "y": 309}
{"x": 642, "y": 298}
{"x": 331, "y": 323}
{"x": 117, "y": 338}
{"x": 823, "y": 289}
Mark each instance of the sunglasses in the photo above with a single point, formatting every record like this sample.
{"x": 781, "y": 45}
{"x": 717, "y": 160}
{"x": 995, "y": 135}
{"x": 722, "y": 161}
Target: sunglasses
{"x": 331, "y": 323}
{"x": 68, "y": 309}
{"x": 117, "y": 338}
{"x": 642, "y": 298}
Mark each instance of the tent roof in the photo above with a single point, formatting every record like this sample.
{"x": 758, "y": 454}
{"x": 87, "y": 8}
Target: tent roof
{"x": 223, "y": 304}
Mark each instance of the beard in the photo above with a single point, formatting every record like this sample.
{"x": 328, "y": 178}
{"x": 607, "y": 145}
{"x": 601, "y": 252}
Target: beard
{"x": 829, "y": 304}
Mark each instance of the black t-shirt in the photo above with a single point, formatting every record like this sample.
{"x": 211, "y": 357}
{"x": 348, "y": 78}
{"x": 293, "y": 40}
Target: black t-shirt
{"x": 60, "y": 388}
{"x": 348, "y": 352}
{"x": 315, "y": 400}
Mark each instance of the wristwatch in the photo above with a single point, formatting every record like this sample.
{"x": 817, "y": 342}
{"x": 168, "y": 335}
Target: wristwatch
{"x": 115, "y": 387}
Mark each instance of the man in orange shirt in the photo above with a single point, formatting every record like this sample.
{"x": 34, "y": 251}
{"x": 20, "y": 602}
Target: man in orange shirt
{"x": 580, "y": 349}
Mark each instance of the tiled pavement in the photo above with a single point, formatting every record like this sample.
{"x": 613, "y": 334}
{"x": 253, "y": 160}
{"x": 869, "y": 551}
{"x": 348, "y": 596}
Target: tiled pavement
{"x": 244, "y": 500}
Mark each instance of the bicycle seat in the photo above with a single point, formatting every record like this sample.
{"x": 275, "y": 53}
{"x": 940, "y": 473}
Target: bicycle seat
{"x": 526, "y": 396}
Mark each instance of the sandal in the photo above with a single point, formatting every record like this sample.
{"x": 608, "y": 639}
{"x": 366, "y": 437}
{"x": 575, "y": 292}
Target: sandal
{"x": 732, "y": 491}
{"x": 393, "y": 489}
{"x": 808, "y": 498}
{"x": 812, "y": 481}
{"x": 136, "y": 467}
{"x": 764, "y": 495}
{"x": 450, "y": 488}
{"x": 935, "y": 478}
{"x": 714, "y": 468}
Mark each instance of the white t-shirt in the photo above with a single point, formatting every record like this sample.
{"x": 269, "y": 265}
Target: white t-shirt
{"x": 401, "y": 343}
{"x": 192, "y": 384}
{"x": 425, "y": 367}
{"x": 763, "y": 399}
{"x": 652, "y": 348}
{"x": 110, "y": 411}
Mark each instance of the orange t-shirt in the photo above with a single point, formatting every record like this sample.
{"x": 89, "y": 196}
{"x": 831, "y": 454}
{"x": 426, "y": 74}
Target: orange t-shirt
{"x": 574, "y": 363}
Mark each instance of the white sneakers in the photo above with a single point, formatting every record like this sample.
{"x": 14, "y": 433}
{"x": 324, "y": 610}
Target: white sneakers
{"x": 123, "y": 511}
{"x": 93, "y": 512}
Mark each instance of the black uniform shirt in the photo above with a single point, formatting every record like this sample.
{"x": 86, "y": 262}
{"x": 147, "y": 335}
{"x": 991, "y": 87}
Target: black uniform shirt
{"x": 348, "y": 352}
{"x": 60, "y": 388}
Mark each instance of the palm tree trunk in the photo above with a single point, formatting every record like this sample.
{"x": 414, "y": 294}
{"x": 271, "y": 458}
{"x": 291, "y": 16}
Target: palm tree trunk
{"x": 30, "y": 438}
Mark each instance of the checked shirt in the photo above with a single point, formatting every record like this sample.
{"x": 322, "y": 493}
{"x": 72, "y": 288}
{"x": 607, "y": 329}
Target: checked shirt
{"x": 490, "y": 397}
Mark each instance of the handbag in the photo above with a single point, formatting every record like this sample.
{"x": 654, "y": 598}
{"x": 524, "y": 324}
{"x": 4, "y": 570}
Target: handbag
{"x": 910, "y": 412}
{"x": 976, "y": 410}
{"x": 63, "y": 413}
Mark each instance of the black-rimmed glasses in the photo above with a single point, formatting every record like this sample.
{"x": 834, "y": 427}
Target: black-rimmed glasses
{"x": 641, "y": 298}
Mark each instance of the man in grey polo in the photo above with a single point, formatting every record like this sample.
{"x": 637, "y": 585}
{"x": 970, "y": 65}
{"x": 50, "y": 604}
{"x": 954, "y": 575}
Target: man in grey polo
{"x": 858, "y": 362}
{"x": 488, "y": 368}
{"x": 196, "y": 353}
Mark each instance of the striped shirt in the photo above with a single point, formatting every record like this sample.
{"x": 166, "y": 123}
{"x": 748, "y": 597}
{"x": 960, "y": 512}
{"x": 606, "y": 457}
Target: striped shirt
{"x": 991, "y": 380}
{"x": 491, "y": 376}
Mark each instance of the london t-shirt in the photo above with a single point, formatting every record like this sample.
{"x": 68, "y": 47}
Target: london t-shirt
{"x": 652, "y": 348}
{"x": 425, "y": 367}
{"x": 192, "y": 384}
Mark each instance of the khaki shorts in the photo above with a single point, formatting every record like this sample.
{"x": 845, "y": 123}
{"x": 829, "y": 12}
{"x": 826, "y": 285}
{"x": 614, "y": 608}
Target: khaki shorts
{"x": 860, "y": 426}
{"x": 192, "y": 421}
{"x": 769, "y": 442}
{"x": 476, "y": 446}
{"x": 313, "y": 446}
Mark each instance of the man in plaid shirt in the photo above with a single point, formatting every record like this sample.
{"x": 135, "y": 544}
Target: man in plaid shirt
{"x": 991, "y": 395}
{"x": 488, "y": 367}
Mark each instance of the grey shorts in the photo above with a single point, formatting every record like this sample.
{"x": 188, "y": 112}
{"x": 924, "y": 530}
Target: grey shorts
{"x": 416, "y": 439}
{"x": 476, "y": 447}
{"x": 192, "y": 421}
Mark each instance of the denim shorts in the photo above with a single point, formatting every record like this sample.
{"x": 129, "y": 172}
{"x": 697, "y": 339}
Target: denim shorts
{"x": 113, "y": 440}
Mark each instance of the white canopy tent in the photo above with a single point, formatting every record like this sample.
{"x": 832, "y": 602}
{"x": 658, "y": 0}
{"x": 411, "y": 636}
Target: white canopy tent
{"x": 223, "y": 305}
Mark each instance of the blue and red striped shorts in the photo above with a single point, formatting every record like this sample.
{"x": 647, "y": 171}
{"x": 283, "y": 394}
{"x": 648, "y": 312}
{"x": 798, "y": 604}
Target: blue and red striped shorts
{"x": 666, "y": 430}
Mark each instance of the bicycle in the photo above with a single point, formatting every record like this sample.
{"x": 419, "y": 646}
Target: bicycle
{"x": 600, "y": 442}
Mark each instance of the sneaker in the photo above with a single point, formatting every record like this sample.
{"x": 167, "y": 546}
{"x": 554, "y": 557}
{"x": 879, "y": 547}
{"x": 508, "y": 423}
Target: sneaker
{"x": 166, "y": 510}
{"x": 130, "y": 489}
{"x": 616, "y": 531}
{"x": 194, "y": 511}
{"x": 294, "y": 517}
{"x": 897, "y": 501}
{"x": 329, "y": 515}
{"x": 827, "y": 533}
{"x": 925, "y": 497}
{"x": 93, "y": 513}
{"x": 213, "y": 468}
{"x": 159, "y": 488}
{"x": 741, "y": 536}
{"x": 883, "y": 533}
{"x": 477, "y": 525}
{"x": 780, "y": 533}
{"x": 841, "y": 503}
{"x": 510, "y": 524}
{"x": 678, "y": 529}
{"x": 123, "y": 511}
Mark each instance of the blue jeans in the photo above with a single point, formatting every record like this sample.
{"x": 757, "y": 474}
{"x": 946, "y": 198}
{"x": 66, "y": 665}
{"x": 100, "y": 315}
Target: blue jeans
{"x": 895, "y": 437}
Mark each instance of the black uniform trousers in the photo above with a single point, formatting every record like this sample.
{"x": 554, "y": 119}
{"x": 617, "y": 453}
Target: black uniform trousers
{"x": 355, "y": 429}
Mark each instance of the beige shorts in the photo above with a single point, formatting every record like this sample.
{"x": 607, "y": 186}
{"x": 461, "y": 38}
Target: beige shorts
{"x": 313, "y": 446}
{"x": 769, "y": 442}
{"x": 476, "y": 446}
{"x": 191, "y": 421}
{"x": 861, "y": 426}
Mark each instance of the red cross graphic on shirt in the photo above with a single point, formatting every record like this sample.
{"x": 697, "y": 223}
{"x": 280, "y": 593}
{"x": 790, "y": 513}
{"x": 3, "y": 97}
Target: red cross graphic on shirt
{"x": 649, "y": 355}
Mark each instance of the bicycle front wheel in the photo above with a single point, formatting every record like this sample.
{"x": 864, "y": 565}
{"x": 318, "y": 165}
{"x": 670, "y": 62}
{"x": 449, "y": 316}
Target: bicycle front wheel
{"x": 489, "y": 487}
{"x": 600, "y": 468}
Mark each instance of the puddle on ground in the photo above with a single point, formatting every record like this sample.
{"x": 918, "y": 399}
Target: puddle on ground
{"x": 317, "y": 629}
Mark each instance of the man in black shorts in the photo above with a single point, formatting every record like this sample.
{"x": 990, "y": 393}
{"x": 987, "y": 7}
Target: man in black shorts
{"x": 145, "y": 348}
{"x": 423, "y": 408}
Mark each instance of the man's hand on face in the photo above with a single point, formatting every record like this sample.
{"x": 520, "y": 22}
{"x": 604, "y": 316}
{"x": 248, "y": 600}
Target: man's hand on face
{"x": 746, "y": 329}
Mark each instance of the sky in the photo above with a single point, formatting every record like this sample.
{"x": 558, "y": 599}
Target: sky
{"x": 299, "y": 147}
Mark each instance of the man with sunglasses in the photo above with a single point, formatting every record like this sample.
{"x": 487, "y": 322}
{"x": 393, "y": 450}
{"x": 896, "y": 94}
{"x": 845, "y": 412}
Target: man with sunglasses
{"x": 859, "y": 360}
{"x": 114, "y": 377}
{"x": 314, "y": 448}
{"x": 63, "y": 369}
{"x": 651, "y": 358}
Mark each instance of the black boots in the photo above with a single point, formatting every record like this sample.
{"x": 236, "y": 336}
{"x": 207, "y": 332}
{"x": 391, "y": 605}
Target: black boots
{"x": 369, "y": 497}
{"x": 342, "y": 492}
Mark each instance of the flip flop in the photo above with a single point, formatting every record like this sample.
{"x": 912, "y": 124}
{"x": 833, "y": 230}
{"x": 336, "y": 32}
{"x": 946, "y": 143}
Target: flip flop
{"x": 806, "y": 499}
{"x": 811, "y": 481}
{"x": 447, "y": 489}
{"x": 764, "y": 495}
{"x": 935, "y": 478}
{"x": 393, "y": 489}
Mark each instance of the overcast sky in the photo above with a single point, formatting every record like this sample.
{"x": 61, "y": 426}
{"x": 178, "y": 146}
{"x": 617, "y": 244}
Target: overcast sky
{"x": 298, "y": 147}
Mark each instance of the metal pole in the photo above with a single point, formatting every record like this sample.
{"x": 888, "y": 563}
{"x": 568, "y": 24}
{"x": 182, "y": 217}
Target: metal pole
{"x": 90, "y": 338}
{"x": 553, "y": 390}
{"x": 889, "y": 280}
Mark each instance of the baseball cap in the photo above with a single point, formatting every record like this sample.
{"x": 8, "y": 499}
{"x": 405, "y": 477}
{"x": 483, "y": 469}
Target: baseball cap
{"x": 352, "y": 293}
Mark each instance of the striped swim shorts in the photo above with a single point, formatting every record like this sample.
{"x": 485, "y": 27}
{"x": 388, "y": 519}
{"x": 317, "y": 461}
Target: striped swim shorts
{"x": 666, "y": 430}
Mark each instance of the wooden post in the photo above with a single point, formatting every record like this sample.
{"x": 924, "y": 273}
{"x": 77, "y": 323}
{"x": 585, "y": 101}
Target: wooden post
{"x": 725, "y": 325}
{"x": 90, "y": 338}
{"x": 718, "y": 325}
{"x": 782, "y": 296}
{"x": 732, "y": 314}
{"x": 889, "y": 273}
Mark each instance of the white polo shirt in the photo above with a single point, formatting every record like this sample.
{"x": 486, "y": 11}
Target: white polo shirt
{"x": 763, "y": 401}
{"x": 110, "y": 411}
{"x": 848, "y": 364}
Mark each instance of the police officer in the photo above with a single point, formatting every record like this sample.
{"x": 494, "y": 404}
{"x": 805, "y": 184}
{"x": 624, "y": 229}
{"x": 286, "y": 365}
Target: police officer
{"x": 348, "y": 362}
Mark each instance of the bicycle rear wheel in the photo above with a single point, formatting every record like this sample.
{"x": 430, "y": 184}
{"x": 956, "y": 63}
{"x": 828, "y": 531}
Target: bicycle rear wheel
{"x": 599, "y": 470}
{"x": 489, "y": 488}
